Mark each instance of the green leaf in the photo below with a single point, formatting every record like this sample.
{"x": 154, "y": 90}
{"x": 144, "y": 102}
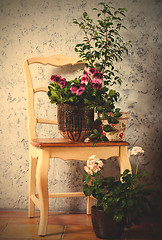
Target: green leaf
{"x": 105, "y": 116}
{"x": 93, "y": 136}
{"x": 100, "y": 109}
{"x": 117, "y": 109}
{"x": 98, "y": 121}
{"x": 112, "y": 92}
{"x": 118, "y": 216}
{"x": 86, "y": 177}
{"x": 108, "y": 128}
{"x": 125, "y": 172}
{"x": 87, "y": 190}
{"x": 113, "y": 120}
{"x": 104, "y": 138}
{"x": 96, "y": 132}
{"x": 117, "y": 114}
{"x": 85, "y": 14}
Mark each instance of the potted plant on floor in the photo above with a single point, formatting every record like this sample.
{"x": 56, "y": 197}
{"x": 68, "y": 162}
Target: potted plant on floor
{"x": 120, "y": 203}
{"x": 102, "y": 47}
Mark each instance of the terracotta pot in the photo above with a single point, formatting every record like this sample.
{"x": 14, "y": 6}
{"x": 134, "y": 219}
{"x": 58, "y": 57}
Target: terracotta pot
{"x": 72, "y": 121}
{"x": 118, "y": 134}
{"x": 104, "y": 226}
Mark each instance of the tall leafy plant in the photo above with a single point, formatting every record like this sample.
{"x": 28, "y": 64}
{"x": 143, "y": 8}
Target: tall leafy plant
{"x": 102, "y": 45}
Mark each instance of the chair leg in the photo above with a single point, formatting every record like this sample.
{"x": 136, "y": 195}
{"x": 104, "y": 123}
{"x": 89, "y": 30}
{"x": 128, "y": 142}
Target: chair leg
{"x": 32, "y": 185}
{"x": 123, "y": 160}
{"x": 42, "y": 183}
{"x": 89, "y": 204}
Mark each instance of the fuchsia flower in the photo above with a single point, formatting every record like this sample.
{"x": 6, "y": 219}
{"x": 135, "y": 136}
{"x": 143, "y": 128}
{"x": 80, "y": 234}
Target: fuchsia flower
{"x": 77, "y": 89}
{"x": 92, "y": 76}
{"x": 98, "y": 75}
{"x": 74, "y": 88}
{"x": 80, "y": 90}
{"x": 85, "y": 72}
{"x": 55, "y": 78}
{"x": 96, "y": 83}
{"x": 62, "y": 82}
{"x": 85, "y": 78}
{"x": 92, "y": 71}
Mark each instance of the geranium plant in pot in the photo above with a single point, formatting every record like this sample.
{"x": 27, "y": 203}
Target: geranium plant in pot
{"x": 120, "y": 203}
{"x": 77, "y": 99}
{"x": 103, "y": 45}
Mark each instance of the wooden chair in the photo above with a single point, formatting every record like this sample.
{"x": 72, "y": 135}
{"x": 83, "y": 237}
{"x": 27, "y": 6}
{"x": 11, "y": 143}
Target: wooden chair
{"x": 41, "y": 150}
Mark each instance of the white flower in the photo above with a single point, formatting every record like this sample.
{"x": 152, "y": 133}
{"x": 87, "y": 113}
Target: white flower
{"x": 136, "y": 151}
{"x": 92, "y": 157}
{"x": 88, "y": 170}
{"x": 94, "y": 165}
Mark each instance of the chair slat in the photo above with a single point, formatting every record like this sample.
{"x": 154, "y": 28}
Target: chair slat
{"x": 55, "y": 60}
{"x": 46, "y": 121}
{"x": 40, "y": 89}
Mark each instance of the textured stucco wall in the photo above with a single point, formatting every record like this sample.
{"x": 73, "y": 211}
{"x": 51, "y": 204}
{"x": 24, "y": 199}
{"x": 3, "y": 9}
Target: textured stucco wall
{"x": 43, "y": 27}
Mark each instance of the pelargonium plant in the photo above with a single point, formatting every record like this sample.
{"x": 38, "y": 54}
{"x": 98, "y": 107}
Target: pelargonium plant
{"x": 87, "y": 89}
{"x": 126, "y": 199}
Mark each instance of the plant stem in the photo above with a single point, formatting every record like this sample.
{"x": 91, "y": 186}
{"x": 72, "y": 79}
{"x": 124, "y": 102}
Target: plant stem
{"x": 137, "y": 165}
{"x": 88, "y": 40}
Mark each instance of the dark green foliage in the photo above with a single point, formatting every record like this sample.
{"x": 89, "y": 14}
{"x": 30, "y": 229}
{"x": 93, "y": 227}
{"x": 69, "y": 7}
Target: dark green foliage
{"x": 102, "y": 44}
{"x": 125, "y": 198}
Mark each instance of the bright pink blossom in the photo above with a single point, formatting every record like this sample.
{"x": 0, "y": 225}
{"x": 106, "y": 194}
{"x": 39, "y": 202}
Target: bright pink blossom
{"x": 98, "y": 75}
{"x": 74, "y": 88}
{"x": 80, "y": 90}
{"x": 85, "y": 72}
{"x": 55, "y": 78}
{"x": 92, "y": 71}
{"x": 84, "y": 78}
{"x": 96, "y": 83}
{"x": 62, "y": 82}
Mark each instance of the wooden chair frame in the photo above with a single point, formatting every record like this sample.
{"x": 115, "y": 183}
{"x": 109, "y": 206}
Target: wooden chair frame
{"x": 41, "y": 150}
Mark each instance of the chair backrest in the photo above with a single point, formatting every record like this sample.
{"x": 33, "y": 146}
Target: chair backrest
{"x": 55, "y": 60}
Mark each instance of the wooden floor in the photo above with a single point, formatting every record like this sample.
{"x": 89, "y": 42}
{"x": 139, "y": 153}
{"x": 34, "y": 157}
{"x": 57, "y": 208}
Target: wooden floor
{"x": 63, "y": 226}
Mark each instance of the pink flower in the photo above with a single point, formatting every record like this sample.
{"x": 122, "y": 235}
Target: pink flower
{"x": 62, "y": 82}
{"x": 80, "y": 90}
{"x": 74, "y": 88}
{"x": 55, "y": 78}
{"x": 136, "y": 151}
{"x": 84, "y": 78}
{"x": 98, "y": 75}
{"x": 77, "y": 89}
{"x": 85, "y": 72}
{"x": 92, "y": 71}
{"x": 96, "y": 83}
{"x": 88, "y": 170}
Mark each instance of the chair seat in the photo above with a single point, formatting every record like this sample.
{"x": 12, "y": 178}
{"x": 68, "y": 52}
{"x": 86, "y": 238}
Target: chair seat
{"x": 62, "y": 142}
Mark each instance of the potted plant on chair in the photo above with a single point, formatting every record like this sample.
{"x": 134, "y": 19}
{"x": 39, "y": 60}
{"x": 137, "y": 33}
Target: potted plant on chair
{"x": 101, "y": 48}
{"x": 76, "y": 100}
{"x": 120, "y": 203}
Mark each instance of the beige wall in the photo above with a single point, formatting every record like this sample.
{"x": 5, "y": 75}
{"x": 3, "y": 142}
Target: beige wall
{"x": 43, "y": 27}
